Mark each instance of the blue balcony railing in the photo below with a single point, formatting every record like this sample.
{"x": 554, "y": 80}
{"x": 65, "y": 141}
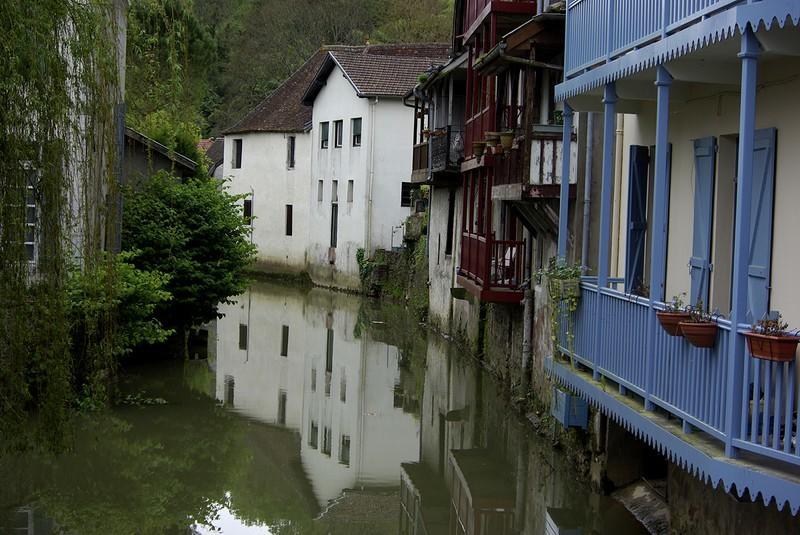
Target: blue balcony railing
{"x": 600, "y": 30}
{"x": 688, "y": 382}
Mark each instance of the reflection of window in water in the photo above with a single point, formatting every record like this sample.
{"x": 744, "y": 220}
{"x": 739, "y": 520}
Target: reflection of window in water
{"x": 344, "y": 450}
{"x": 285, "y": 341}
{"x": 313, "y": 379}
{"x": 313, "y": 435}
{"x": 328, "y": 362}
{"x": 343, "y": 386}
{"x": 327, "y": 384}
{"x": 326, "y": 440}
{"x": 229, "y": 385}
{"x": 282, "y": 407}
{"x": 242, "y": 336}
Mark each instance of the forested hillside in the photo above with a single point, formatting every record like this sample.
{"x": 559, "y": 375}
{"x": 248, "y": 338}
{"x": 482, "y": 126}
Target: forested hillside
{"x": 196, "y": 66}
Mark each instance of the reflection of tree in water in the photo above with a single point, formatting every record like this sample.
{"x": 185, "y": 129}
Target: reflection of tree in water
{"x": 159, "y": 468}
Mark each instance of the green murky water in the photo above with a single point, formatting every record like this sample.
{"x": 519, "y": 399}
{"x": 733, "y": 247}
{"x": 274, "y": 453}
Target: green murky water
{"x": 315, "y": 412}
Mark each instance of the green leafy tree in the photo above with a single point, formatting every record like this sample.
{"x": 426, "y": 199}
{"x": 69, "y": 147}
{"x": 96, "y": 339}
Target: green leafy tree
{"x": 195, "y": 233}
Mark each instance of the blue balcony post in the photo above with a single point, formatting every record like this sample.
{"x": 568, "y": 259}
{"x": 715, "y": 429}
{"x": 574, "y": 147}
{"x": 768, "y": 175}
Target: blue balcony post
{"x": 659, "y": 226}
{"x": 609, "y": 132}
{"x": 749, "y": 54}
{"x": 563, "y": 205}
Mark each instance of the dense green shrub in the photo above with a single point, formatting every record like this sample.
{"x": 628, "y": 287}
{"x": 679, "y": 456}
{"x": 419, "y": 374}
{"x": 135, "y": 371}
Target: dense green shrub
{"x": 195, "y": 233}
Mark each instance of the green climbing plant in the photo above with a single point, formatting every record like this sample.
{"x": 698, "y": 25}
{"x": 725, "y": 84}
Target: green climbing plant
{"x": 59, "y": 95}
{"x": 563, "y": 284}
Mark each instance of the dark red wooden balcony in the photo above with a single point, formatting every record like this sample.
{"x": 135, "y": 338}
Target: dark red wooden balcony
{"x": 419, "y": 162}
{"x": 492, "y": 270}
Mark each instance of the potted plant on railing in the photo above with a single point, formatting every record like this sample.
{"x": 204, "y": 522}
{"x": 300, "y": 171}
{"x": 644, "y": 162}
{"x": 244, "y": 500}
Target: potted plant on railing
{"x": 700, "y": 329}
{"x": 563, "y": 281}
{"x": 478, "y": 147}
{"x": 672, "y": 315}
{"x": 770, "y": 339}
{"x": 426, "y": 133}
{"x": 507, "y": 139}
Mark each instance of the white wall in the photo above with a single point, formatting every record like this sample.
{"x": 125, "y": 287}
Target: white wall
{"x": 265, "y": 174}
{"x": 386, "y": 141}
{"x": 711, "y": 113}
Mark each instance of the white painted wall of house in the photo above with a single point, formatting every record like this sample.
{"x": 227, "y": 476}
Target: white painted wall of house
{"x": 386, "y": 132}
{"x": 264, "y": 173}
{"x": 712, "y": 113}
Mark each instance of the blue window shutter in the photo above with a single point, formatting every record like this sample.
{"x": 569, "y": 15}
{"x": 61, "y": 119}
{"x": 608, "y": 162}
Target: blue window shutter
{"x": 637, "y": 217}
{"x": 705, "y": 155}
{"x": 762, "y": 198}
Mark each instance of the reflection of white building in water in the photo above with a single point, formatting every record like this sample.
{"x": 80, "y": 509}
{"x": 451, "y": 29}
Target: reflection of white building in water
{"x": 290, "y": 359}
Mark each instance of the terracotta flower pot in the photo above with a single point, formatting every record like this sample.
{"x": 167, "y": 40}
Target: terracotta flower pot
{"x": 507, "y": 139}
{"x": 477, "y": 148}
{"x": 770, "y": 347}
{"x": 699, "y": 333}
{"x": 670, "y": 321}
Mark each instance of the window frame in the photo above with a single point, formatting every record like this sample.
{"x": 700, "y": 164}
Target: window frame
{"x": 338, "y": 134}
{"x": 355, "y": 133}
{"x": 324, "y": 134}
{"x": 247, "y": 211}
{"x": 238, "y": 150}
{"x": 289, "y": 220}
{"x": 291, "y": 148}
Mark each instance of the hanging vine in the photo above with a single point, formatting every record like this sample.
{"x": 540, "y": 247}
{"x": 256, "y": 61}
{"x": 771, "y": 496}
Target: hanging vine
{"x": 59, "y": 84}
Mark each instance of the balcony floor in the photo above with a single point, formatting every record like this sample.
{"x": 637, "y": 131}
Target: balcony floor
{"x": 490, "y": 295}
{"x": 696, "y": 452}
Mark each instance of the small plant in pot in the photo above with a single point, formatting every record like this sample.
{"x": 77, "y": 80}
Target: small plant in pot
{"x": 700, "y": 329}
{"x": 507, "y": 139}
{"x": 672, "y": 315}
{"x": 770, "y": 339}
{"x": 477, "y": 148}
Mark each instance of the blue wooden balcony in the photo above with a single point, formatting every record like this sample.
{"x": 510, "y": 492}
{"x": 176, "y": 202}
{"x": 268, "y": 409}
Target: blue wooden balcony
{"x": 692, "y": 390}
{"x": 616, "y": 38}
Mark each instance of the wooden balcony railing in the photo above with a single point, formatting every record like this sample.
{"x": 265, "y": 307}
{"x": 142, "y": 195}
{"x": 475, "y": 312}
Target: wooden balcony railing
{"x": 599, "y": 30}
{"x": 419, "y": 160}
{"x": 447, "y": 149}
{"x": 690, "y": 383}
{"x": 492, "y": 264}
{"x": 508, "y": 168}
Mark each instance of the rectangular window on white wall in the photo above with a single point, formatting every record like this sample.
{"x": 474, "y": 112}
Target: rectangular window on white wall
{"x": 338, "y": 133}
{"x": 320, "y": 190}
{"x": 405, "y": 193}
{"x": 335, "y": 191}
{"x": 290, "y": 148}
{"x": 247, "y": 210}
{"x": 323, "y": 135}
{"x": 237, "y": 154}
{"x": 288, "y": 219}
{"x": 349, "y": 191}
{"x": 355, "y": 128}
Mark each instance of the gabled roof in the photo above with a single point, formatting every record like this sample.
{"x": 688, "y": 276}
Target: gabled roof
{"x": 379, "y": 70}
{"x": 283, "y": 109}
{"x": 133, "y": 136}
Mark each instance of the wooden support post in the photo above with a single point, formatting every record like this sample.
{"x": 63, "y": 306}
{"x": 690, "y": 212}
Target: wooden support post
{"x": 658, "y": 228}
{"x": 563, "y": 205}
{"x": 748, "y": 55}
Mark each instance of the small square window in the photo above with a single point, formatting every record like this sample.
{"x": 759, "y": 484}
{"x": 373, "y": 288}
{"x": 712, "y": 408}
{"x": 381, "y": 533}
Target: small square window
{"x": 349, "y": 191}
{"x": 323, "y": 135}
{"x": 320, "y": 190}
{"x": 356, "y": 131}
{"x": 237, "y": 154}
{"x": 338, "y": 127}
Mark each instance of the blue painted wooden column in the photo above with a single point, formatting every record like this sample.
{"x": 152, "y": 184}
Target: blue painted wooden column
{"x": 607, "y": 186}
{"x": 563, "y": 205}
{"x": 658, "y": 228}
{"x": 750, "y": 50}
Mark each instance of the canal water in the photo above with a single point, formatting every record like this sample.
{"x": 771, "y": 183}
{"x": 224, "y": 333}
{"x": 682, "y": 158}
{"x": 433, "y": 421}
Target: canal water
{"x": 313, "y": 412}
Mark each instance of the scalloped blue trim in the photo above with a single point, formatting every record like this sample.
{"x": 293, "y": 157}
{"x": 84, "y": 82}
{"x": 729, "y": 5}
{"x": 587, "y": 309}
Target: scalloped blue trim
{"x": 766, "y": 14}
{"x": 711, "y": 470}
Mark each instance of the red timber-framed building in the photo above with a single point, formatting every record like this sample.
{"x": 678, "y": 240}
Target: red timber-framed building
{"x": 512, "y": 142}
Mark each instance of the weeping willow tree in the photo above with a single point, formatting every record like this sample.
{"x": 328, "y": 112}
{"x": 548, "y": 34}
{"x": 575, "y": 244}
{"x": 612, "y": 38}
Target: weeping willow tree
{"x": 60, "y": 82}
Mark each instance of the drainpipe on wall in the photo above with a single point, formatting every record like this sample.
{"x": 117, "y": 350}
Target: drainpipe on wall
{"x": 370, "y": 180}
{"x": 617, "y": 196}
{"x": 527, "y": 314}
{"x": 587, "y": 189}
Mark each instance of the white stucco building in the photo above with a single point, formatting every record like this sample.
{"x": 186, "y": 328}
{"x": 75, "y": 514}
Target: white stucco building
{"x": 268, "y": 157}
{"x": 360, "y": 154}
